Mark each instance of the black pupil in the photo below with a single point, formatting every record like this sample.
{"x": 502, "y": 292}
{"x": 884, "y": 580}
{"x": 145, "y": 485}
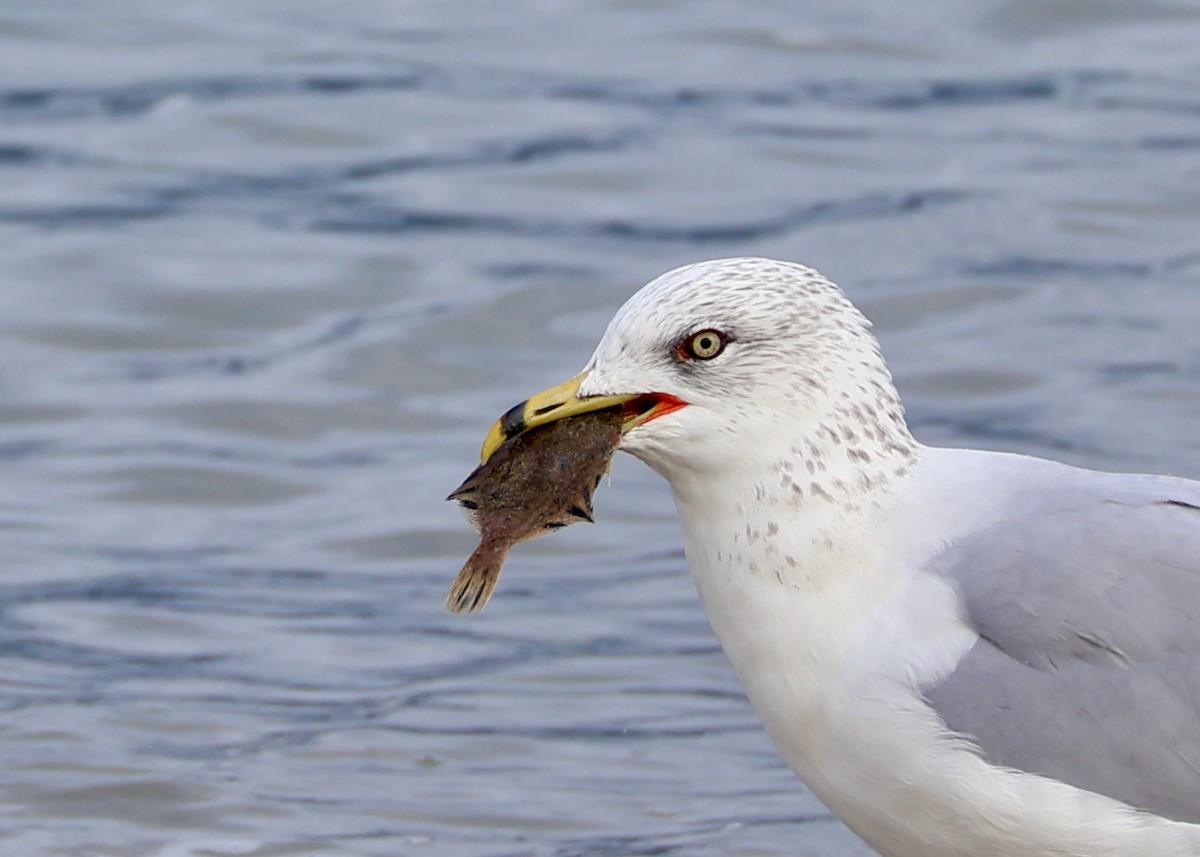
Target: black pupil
{"x": 705, "y": 343}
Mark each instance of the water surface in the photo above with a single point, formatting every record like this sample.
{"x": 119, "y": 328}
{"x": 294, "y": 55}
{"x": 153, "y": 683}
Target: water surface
{"x": 271, "y": 269}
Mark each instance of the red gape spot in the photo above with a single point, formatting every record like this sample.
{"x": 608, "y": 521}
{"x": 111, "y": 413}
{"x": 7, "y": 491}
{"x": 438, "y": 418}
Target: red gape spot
{"x": 651, "y": 406}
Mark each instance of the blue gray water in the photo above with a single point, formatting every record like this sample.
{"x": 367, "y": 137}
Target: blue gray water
{"x": 270, "y": 269}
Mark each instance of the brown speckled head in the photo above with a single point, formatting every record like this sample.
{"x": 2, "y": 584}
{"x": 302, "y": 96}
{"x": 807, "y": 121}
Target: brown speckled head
{"x": 800, "y": 392}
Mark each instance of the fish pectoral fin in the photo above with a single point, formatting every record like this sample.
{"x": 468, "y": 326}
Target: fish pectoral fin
{"x": 582, "y": 512}
{"x": 469, "y": 486}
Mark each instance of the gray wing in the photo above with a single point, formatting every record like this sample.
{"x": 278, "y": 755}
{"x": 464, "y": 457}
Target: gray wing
{"x": 1088, "y": 665}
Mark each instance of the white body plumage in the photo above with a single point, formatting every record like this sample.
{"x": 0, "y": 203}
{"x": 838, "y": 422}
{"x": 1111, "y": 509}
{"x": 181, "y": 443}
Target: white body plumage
{"x": 813, "y": 526}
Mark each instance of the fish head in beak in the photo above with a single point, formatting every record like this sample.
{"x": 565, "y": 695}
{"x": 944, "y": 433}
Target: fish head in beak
{"x": 564, "y": 401}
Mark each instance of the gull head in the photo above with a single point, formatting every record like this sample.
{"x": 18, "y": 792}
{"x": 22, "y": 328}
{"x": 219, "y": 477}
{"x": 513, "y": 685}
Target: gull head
{"x": 740, "y": 366}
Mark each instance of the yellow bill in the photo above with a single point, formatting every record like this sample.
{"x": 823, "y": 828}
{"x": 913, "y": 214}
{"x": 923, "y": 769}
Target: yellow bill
{"x": 564, "y": 401}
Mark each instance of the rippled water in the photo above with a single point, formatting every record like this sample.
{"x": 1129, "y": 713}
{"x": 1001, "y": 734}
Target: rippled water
{"x": 270, "y": 269}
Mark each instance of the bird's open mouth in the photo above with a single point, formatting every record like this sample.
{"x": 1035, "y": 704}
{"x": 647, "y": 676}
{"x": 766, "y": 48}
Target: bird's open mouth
{"x": 564, "y": 401}
{"x": 648, "y": 406}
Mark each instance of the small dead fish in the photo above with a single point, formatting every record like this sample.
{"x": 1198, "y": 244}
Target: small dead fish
{"x": 537, "y": 482}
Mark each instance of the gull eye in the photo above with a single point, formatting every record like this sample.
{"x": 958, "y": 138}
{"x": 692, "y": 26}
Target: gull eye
{"x": 704, "y": 345}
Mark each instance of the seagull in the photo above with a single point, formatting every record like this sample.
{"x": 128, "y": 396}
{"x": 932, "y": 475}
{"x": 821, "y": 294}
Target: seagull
{"x": 959, "y": 652}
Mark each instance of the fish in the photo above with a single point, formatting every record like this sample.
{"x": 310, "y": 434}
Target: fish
{"x": 535, "y": 483}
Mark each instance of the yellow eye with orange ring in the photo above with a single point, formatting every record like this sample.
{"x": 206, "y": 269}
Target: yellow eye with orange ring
{"x": 704, "y": 345}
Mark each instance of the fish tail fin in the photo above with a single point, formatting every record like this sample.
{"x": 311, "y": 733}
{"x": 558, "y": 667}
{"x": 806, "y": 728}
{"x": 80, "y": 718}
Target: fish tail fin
{"x": 477, "y": 580}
